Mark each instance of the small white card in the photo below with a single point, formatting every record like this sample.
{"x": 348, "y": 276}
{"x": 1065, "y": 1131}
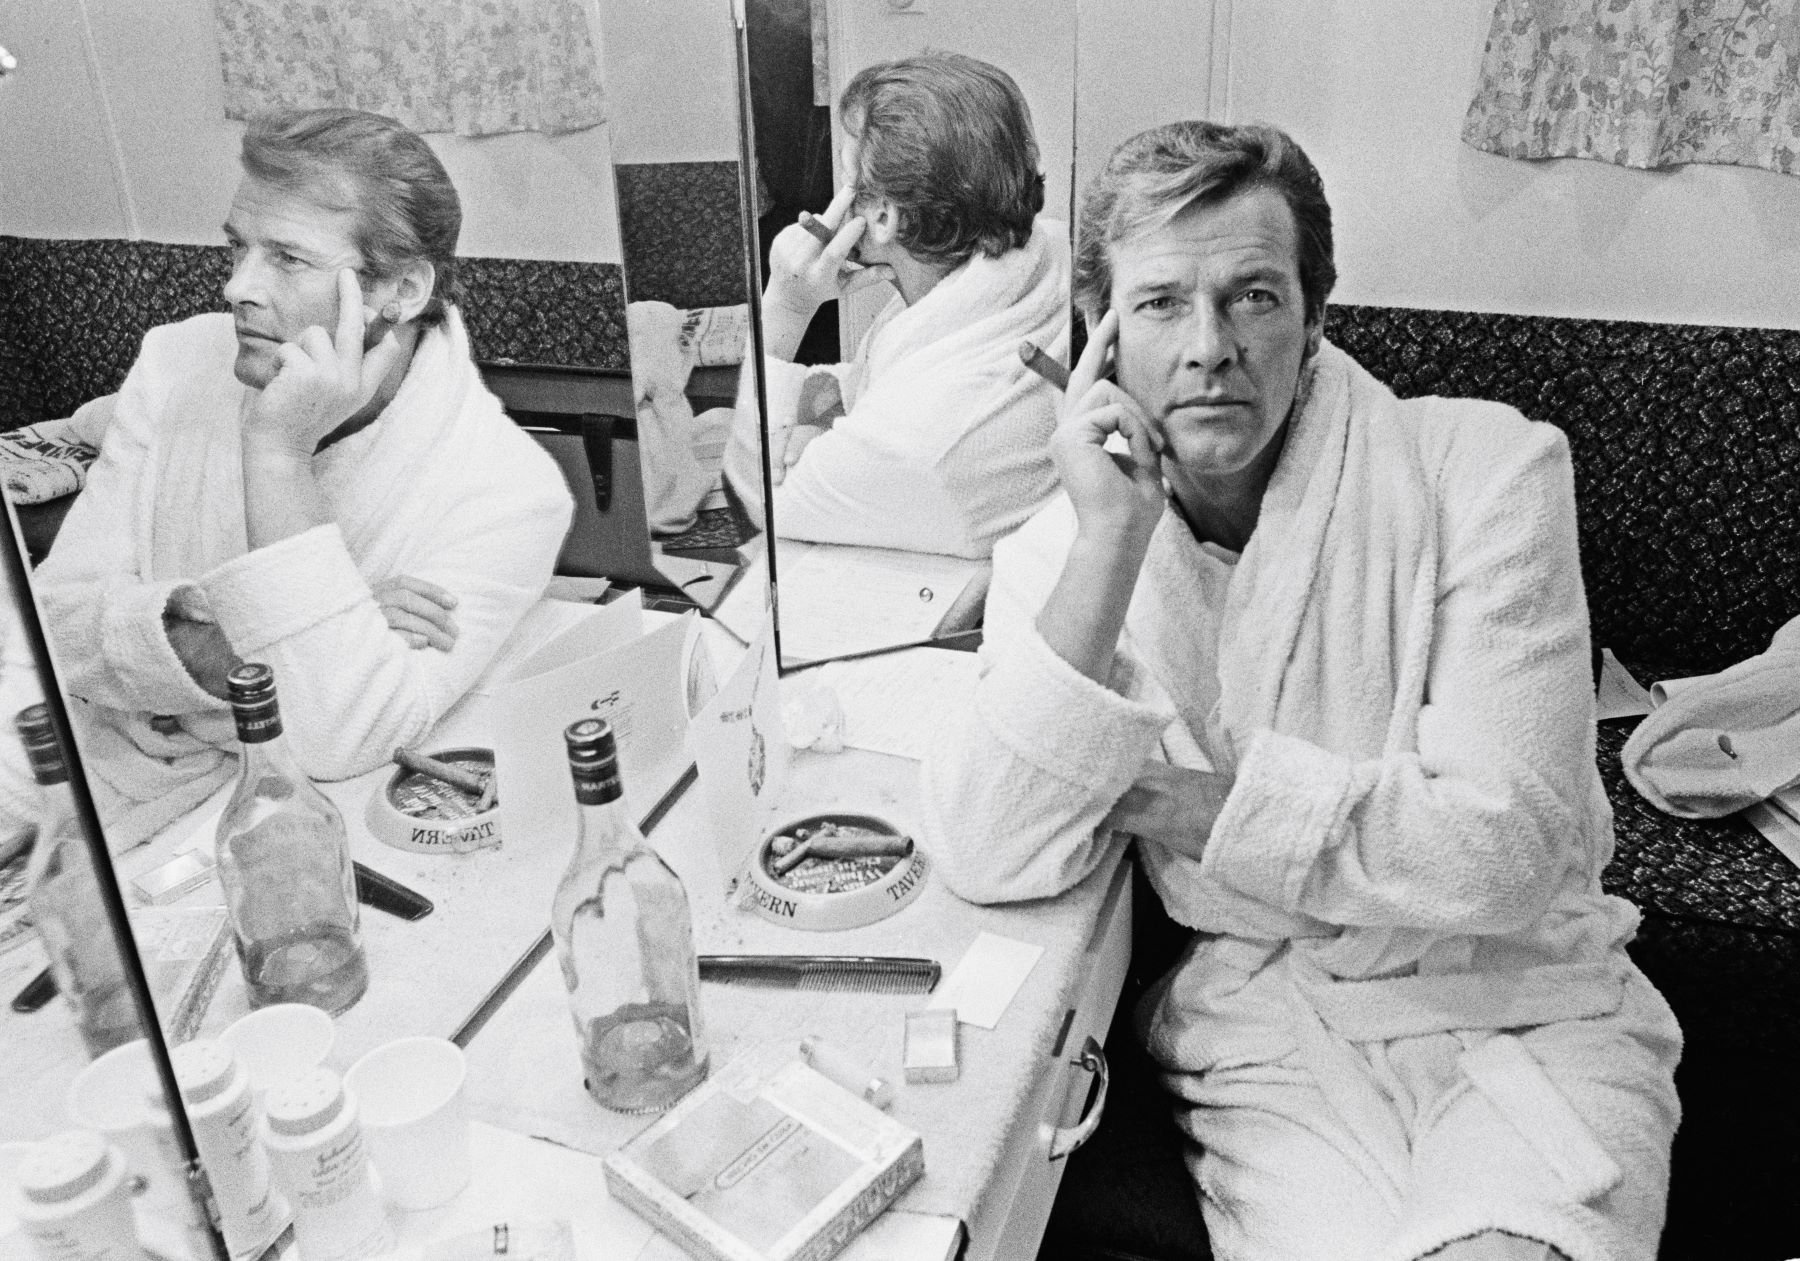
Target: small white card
{"x": 991, "y": 972}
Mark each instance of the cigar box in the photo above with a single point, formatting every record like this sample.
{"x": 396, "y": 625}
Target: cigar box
{"x": 185, "y": 950}
{"x": 789, "y": 1168}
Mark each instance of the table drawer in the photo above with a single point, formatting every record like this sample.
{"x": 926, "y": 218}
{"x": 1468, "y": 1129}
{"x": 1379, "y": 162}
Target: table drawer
{"x": 1010, "y": 1222}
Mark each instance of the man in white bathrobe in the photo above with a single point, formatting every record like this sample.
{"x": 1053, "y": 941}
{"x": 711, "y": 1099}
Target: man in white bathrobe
{"x": 1325, "y": 654}
{"x": 317, "y": 480}
{"x": 935, "y": 437}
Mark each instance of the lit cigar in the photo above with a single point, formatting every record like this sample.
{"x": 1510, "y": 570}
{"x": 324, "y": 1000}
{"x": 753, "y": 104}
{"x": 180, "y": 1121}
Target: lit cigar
{"x": 1043, "y": 365}
{"x": 832, "y": 846}
{"x": 813, "y": 224}
{"x": 455, "y": 776}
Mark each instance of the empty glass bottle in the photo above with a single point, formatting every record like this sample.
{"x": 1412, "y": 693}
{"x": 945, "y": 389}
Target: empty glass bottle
{"x": 625, "y": 941}
{"x": 284, "y": 861}
{"x": 64, "y": 898}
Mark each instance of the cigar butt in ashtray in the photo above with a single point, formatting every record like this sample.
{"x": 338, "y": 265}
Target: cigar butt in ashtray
{"x": 813, "y": 224}
{"x": 455, "y": 776}
{"x": 1043, "y": 365}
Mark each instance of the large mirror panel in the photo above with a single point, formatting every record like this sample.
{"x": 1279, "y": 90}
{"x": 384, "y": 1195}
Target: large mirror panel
{"x": 905, "y": 434}
{"x": 410, "y": 616}
{"x": 82, "y": 1091}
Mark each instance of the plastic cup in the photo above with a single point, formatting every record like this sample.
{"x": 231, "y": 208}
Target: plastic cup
{"x": 10, "y": 1155}
{"x": 409, "y": 1095}
{"x": 110, "y": 1096}
{"x": 280, "y": 1042}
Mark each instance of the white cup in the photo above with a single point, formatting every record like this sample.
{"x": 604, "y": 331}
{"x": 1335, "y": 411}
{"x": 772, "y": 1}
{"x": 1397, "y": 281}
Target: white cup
{"x": 280, "y": 1042}
{"x": 10, "y": 1197}
{"x": 409, "y": 1095}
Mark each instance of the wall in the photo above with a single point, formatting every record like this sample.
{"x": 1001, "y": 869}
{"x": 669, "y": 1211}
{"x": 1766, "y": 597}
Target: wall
{"x": 671, "y": 80}
{"x": 1376, "y": 90}
{"x": 114, "y": 127}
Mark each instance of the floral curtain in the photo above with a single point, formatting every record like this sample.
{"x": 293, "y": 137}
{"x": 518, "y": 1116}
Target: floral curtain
{"x": 1642, "y": 83}
{"x": 474, "y": 67}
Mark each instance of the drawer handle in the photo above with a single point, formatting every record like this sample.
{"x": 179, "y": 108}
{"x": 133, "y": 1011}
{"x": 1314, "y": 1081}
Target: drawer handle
{"x": 1065, "y": 1139}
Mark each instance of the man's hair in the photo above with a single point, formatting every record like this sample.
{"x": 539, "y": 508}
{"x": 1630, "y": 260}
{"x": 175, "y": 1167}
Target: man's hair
{"x": 948, "y": 140}
{"x": 387, "y": 176}
{"x": 1159, "y": 173}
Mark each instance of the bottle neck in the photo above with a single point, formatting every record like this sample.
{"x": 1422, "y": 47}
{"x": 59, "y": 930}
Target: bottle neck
{"x": 265, "y": 748}
{"x": 606, "y": 828}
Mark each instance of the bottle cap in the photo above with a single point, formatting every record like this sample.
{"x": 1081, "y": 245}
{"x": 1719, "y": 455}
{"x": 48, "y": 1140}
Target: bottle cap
{"x": 593, "y": 760}
{"x": 41, "y": 747}
{"x": 252, "y": 688}
{"x": 204, "y": 1068}
{"x": 306, "y": 1103}
{"x": 64, "y": 1166}
{"x": 252, "y": 683}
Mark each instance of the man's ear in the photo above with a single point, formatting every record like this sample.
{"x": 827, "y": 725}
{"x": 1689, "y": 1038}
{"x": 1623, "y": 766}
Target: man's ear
{"x": 413, "y": 288}
{"x": 884, "y": 222}
{"x": 1315, "y": 336}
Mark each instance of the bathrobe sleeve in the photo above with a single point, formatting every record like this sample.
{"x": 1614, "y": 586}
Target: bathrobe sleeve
{"x": 1015, "y": 789}
{"x": 351, "y": 688}
{"x": 105, "y": 622}
{"x": 1473, "y": 832}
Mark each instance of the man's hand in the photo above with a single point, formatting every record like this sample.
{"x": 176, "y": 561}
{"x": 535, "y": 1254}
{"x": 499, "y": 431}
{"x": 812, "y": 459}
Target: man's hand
{"x": 1115, "y": 496}
{"x": 805, "y": 273}
{"x": 1170, "y": 806}
{"x": 204, "y": 650}
{"x": 324, "y": 380}
{"x": 419, "y": 611}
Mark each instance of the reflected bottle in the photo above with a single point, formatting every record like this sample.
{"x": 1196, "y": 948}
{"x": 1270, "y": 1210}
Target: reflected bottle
{"x": 64, "y": 898}
{"x": 284, "y": 861}
{"x": 625, "y": 941}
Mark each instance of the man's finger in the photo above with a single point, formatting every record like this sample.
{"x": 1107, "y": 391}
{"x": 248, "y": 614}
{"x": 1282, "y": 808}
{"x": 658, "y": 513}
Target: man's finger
{"x": 316, "y": 343}
{"x": 838, "y": 252}
{"x": 424, "y": 631}
{"x": 350, "y": 318}
{"x": 430, "y": 590}
{"x": 840, "y": 207}
{"x": 418, "y": 607}
{"x": 1092, "y": 364}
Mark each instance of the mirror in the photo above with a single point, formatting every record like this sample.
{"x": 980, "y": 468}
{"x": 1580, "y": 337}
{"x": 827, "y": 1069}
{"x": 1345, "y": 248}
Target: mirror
{"x": 124, "y": 169}
{"x": 79, "y": 1049}
{"x": 904, "y": 434}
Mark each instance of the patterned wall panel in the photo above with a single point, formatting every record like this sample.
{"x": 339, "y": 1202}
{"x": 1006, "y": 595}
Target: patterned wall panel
{"x": 1686, "y": 443}
{"x": 682, "y": 234}
{"x": 73, "y": 313}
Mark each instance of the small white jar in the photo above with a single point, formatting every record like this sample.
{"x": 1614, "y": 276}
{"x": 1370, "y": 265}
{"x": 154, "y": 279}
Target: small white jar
{"x": 227, "y": 1124}
{"x": 322, "y": 1165}
{"x": 75, "y": 1204}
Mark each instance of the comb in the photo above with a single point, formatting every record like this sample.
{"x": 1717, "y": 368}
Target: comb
{"x": 872, "y": 974}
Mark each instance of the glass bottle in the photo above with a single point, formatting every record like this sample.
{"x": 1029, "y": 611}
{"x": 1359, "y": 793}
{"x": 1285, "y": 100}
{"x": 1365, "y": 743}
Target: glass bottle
{"x": 625, "y": 941}
{"x": 64, "y": 897}
{"x": 284, "y": 862}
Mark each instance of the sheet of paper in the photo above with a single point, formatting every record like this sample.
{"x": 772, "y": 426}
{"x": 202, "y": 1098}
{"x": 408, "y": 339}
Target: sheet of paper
{"x": 742, "y": 754}
{"x": 840, "y": 600}
{"x": 895, "y": 703}
{"x": 641, "y": 686}
{"x": 991, "y": 972}
{"x": 1619, "y": 695}
{"x": 746, "y": 606}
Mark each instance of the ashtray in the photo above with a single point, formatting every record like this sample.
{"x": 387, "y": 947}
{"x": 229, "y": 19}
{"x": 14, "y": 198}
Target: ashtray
{"x": 834, "y": 870}
{"x": 417, "y": 811}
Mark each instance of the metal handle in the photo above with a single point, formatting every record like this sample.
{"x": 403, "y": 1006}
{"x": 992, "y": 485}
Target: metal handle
{"x": 1065, "y": 1139}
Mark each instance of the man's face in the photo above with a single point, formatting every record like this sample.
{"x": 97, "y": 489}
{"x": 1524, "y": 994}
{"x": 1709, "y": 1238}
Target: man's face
{"x": 867, "y": 249}
{"x": 286, "y": 253}
{"x": 1212, "y": 328}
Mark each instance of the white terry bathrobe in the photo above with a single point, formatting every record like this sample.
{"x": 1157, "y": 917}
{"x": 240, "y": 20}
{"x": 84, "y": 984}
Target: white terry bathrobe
{"x": 945, "y": 442}
{"x": 442, "y": 486}
{"x": 1408, "y": 1016}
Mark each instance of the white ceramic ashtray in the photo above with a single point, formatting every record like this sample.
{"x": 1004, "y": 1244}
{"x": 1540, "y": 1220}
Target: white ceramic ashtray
{"x": 834, "y": 870}
{"x": 416, "y": 810}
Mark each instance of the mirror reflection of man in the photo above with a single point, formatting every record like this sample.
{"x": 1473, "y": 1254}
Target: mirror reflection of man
{"x": 934, "y": 438}
{"x": 318, "y": 480}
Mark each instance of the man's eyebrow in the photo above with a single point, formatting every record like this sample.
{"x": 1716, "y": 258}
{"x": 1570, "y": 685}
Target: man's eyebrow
{"x": 1154, "y": 288}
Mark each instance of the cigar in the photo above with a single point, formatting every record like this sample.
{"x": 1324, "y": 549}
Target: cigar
{"x": 813, "y": 224}
{"x": 454, "y": 776}
{"x": 1043, "y": 365}
{"x": 829, "y": 846}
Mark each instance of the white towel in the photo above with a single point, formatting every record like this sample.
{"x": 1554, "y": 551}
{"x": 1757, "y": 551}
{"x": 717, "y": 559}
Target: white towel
{"x": 1723, "y": 741}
